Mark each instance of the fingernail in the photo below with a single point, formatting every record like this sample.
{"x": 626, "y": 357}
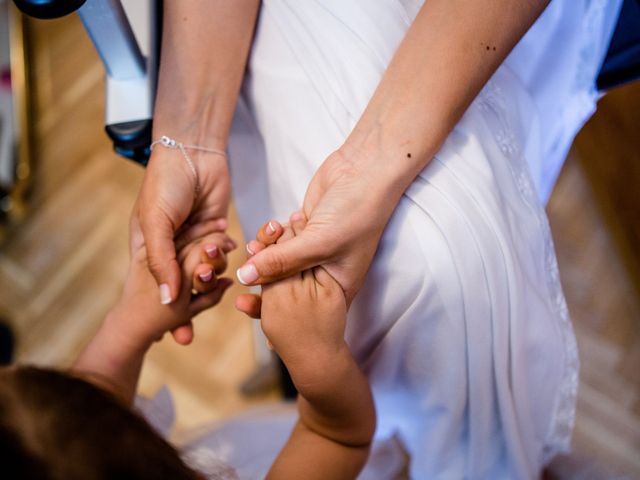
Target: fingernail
{"x": 165, "y": 294}
{"x": 222, "y": 223}
{"x": 206, "y": 277}
{"x": 247, "y": 274}
{"x": 296, "y": 216}
{"x": 249, "y": 251}
{"x": 270, "y": 229}
{"x": 212, "y": 250}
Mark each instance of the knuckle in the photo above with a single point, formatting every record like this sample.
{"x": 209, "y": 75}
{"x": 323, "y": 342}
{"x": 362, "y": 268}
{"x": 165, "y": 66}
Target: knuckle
{"x": 274, "y": 265}
{"x": 155, "y": 265}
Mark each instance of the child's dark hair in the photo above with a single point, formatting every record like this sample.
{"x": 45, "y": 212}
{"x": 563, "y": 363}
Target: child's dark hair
{"x": 56, "y": 426}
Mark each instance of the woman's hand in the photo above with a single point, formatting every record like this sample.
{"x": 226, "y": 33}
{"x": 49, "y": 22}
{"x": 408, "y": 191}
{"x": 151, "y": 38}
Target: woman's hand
{"x": 167, "y": 209}
{"x": 347, "y": 206}
{"x": 145, "y": 319}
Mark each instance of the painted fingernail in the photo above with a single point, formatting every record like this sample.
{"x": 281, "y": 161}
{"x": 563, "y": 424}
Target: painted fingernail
{"x": 212, "y": 250}
{"x": 247, "y": 274}
{"x": 270, "y": 229}
{"x": 165, "y": 294}
{"x": 249, "y": 251}
{"x": 206, "y": 277}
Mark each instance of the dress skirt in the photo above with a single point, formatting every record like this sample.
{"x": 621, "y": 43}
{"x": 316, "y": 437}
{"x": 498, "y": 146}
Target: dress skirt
{"x": 461, "y": 325}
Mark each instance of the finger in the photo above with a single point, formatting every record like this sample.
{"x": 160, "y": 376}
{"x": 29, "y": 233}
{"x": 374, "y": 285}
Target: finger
{"x": 269, "y": 233}
{"x": 208, "y": 300}
{"x": 191, "y": 232}
{"x": 287, "y": 234}
{"x": 214, "y": 256}
{"x": 280, "y": 261}
{"x": 254, "y": 247}
{"x": 324, "y": 278}
{"x": 161, "y": 254}
{"x": 204, "y": 279}
{"x": 136, "y": 238}
{"x": 249, "y": 304}
{"x": 298, "y": 222}
{"x": 230, "y": 245}
{"x": 204, "y": 215}
{"x": 183, "y": 335}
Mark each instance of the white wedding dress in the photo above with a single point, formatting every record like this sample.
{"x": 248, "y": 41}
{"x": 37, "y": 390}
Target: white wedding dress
{"x": 461, "y": 326}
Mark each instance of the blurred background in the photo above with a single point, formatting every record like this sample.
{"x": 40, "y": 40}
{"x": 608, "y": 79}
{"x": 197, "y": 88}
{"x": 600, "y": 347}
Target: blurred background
{"x": 65, "y": 199}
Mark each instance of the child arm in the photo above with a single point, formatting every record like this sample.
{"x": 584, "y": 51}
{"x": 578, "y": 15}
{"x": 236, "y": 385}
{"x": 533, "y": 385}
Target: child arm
{"x": 333, "y": 434}
{"x": 113, "y": 358}
{"x": 304, "y": 318}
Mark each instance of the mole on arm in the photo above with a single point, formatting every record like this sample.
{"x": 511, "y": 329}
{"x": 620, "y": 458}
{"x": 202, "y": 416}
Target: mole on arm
{"x": 408, "y": 155}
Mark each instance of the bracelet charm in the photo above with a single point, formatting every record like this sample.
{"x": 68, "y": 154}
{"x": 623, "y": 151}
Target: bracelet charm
{"x": 169, "y": 142}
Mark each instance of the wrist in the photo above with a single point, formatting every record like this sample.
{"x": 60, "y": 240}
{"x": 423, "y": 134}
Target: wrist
{"x": 393, "y": 163}
{"x": 122, "y": 333}
{"x": 192, "y": 122}
{"x": 113, "y": 358}
{"x": 343, "y": 414}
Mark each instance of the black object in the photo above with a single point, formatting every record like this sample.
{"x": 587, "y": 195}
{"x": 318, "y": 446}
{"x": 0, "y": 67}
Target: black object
{"x": 6, "y": 344}
{"x": 289, "y": 391}
{"x": 622, "y": 62}
{"x": 48, "y": 9}
{"x": 132, "y": 139}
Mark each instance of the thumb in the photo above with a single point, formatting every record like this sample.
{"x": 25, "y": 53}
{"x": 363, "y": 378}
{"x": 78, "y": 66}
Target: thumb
{"x": 183, "y": 335}
{"x": 280, "y": 261}
{"x": 158, "y": 232}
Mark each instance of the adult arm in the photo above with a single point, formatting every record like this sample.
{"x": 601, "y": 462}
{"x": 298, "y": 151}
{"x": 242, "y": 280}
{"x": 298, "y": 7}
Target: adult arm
{"x": 205, "y": 44}
{"x": 448, "y": 54}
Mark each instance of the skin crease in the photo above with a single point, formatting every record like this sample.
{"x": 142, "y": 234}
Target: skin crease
{"x": 421, "y": 96}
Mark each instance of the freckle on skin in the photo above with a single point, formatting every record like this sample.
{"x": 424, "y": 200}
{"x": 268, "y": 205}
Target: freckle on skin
{"x": 408, "y": 155}
{"x": 487, "y": 47}
{"x": 494, "y": 49}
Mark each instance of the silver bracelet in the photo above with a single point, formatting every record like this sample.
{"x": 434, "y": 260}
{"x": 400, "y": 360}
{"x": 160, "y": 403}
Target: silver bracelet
{"x": 171, "y": 143}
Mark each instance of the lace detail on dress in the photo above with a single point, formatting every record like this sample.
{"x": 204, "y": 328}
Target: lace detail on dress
{"x": 492, "y": 101}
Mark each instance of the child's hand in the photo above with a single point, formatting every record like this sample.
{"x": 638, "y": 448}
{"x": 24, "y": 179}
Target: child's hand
{"x": 147, "y": 320}
{"x": 304, "y": 319}
{"x": 302, "y": 316}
